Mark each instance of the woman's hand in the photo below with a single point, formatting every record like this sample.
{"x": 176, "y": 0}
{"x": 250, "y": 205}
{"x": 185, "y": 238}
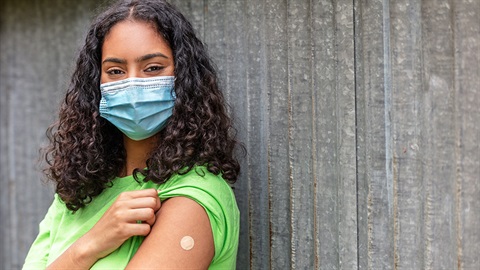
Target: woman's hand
{"x": 132, "y": 213}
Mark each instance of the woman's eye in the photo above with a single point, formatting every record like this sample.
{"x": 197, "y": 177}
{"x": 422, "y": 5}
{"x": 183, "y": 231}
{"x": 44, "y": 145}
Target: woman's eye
{"x": 114, "y": 72}
{"x": 153, "y": 68}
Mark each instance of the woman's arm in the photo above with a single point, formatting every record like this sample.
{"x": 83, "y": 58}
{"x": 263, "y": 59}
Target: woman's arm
{"x": 179, "y": 218}
{"x": 119, "y": 223}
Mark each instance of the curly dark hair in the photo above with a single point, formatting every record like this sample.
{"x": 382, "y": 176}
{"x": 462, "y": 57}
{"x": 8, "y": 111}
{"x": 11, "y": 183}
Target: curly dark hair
{"x": 86, "y": 151}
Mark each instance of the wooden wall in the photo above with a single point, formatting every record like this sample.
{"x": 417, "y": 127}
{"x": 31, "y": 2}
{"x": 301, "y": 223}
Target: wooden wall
{"x": 361, "y": 120}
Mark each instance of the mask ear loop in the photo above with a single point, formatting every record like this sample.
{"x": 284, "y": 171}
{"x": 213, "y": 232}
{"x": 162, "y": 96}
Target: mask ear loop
{"x": 173, "y": 93}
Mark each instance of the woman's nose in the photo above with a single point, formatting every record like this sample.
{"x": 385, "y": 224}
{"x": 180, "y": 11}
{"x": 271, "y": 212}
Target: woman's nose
{"x": 133, "y": 73}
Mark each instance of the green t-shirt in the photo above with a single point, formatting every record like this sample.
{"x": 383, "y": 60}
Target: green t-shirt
{"x": 60, "y": 228}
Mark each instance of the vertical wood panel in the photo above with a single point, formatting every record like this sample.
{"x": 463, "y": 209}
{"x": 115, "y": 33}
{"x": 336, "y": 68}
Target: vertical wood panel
{"x": 373, "y": 93}
{"x": 407, "y": 115}
{"x": 325, "y": 116}
{"x": 346, "y": 141}
{"x": 278, "y": 145}
{"x": 467, "y": 127}
{"x": 361, "y": 131}
{"x": 334, "y": 119}
{"x": 300, "y": 133}
{"x": 257, "y": 126}
{"x": 439, "y": 140}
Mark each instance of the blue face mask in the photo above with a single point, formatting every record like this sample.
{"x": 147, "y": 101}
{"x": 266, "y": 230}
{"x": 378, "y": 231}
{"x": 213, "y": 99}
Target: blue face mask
{"x": 138, "y": 107}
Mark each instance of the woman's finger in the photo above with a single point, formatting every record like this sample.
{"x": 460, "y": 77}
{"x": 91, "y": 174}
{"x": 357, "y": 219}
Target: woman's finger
{"x": 141, "y": 214}
{"x": 127, "y": 195}
{"x": 138, "y": 228}
{"x": 143, "y": 202}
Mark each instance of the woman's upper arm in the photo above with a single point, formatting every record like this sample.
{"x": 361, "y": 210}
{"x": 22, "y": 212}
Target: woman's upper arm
{"x": 179, "y": 217}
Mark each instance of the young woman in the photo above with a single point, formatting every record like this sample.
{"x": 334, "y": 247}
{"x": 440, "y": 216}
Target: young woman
{"x": 142, "y": 152}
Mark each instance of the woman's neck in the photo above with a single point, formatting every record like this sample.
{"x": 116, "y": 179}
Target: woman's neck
{"x": 137, "y": 153}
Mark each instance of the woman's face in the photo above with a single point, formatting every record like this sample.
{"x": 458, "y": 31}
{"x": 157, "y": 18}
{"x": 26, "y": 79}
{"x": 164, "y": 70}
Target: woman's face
{"x": 135, "y": 49}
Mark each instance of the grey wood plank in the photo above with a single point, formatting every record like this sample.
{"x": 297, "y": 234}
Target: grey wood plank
{"x": 326, "y": 133}
{"x": 407, "y": 100}
{"x": 257, "y": 128}
{"x": 467, "y": 118}
{"x": 374, "y": 161}
{"x": 438, "y": 140}
{"x": 346, "y": 137}
{"x": 279, "y": 172}
{"x": 300, "y": 101}
{"x": 336, "y": 190}
{"x": 361, "y": 148}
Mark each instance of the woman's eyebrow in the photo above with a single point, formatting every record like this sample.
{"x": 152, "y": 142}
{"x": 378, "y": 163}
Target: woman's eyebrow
{"x": 114, "y": 60}
{"x": 139, "y": 59}
{"x": 150, "y": 56}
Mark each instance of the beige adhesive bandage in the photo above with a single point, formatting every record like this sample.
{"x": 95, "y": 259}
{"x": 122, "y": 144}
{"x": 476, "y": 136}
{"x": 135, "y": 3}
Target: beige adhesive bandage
{"x": 187, "y": 242}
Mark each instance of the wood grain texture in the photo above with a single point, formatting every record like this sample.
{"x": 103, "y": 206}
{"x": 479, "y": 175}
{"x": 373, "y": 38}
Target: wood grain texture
{"x": 279, "y": 171}
{"x": 299, "y": 102}
{"x": 466, "y": 30}
{"x": 373, "y": 99}
{"x": 438, "y": 140}
{"x": 360, "y": 119}
{"x": 256, "y": 113}
{"x": 409, "y": 192}
{"x": 334, "y": 140}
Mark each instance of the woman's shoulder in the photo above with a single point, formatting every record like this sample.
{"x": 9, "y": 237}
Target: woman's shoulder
{"x": 206, "y": 188}
{"x": 199, "y": 177}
